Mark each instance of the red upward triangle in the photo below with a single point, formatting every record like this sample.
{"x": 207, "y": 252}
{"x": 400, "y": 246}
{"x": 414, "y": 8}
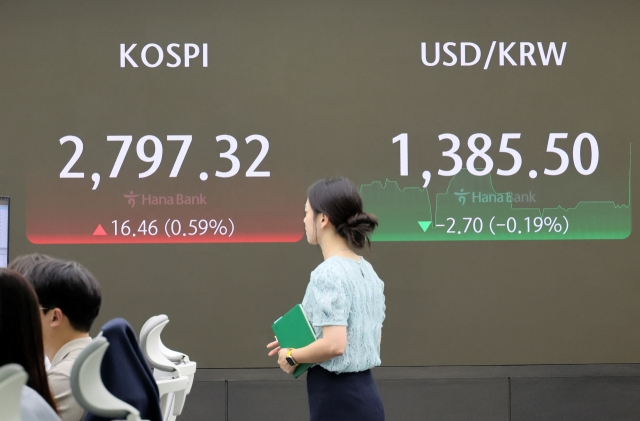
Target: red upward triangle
{"x": 99, "y": 230}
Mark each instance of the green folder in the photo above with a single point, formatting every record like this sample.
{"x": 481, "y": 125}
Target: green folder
{"x": 293, "y": 330}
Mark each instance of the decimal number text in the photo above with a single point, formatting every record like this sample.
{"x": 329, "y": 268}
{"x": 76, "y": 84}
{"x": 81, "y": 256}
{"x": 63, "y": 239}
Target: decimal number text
{"x": 155, "y": 158}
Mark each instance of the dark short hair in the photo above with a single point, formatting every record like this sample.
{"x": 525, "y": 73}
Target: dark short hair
{"x": 21, "y": 331}
{"x": 24, "y": 264}
{"x": 70, "y": 287}
{"x": 339, "y": 199}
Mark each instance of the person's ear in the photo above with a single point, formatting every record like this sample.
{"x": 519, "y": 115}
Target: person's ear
{"x": 324, "y": 220}
{"x": 56, "y": 317}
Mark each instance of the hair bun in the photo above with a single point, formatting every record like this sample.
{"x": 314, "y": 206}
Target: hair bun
{"x": 357, "y": 228}
{"x": 362, "y": 218}
{"x": 339, "y": 199}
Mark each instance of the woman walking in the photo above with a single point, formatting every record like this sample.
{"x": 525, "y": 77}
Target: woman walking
{"x": 344, "y": 303}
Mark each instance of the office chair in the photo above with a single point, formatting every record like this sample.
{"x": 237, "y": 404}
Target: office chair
{"x": 125, "y": 374}
{"x": 88, "y": 389}
{"x": 173, "y": 371}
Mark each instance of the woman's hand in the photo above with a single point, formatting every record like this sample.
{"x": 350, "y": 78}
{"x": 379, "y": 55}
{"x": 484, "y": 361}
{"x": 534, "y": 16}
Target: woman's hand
{"x": 276, "y": 347}
{"x": 282, "y": 361}
{"x": 282, "y": 355}
{"x": 332, "y": 344}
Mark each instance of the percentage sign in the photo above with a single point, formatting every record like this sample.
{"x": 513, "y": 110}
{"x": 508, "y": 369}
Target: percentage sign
{"x": 553, "y": 225}
{"x": 548, "y": 223}
{"x": 217, "y": 226}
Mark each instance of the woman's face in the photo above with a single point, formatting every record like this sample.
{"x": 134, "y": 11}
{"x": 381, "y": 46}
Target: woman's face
{"x": 309, "y": 224}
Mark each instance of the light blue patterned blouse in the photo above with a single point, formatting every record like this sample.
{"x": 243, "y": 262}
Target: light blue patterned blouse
{"x": 346, "y": 292}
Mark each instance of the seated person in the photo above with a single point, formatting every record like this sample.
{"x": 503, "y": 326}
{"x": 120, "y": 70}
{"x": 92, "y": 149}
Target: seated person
{"x": 70, "y": 299}
{"x": 21, "y": 343}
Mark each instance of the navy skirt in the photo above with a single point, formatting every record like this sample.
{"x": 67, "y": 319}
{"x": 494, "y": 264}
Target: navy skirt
{"x": 345, "y": 396}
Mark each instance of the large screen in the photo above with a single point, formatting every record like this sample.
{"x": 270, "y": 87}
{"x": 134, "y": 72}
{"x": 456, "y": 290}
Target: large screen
{"x": 169, "y": 146}
{"x": 472, "y": 200}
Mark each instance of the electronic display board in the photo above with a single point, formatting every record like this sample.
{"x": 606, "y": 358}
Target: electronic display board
{"x": 493, "y": 141}
{"x": 476, "y": 203}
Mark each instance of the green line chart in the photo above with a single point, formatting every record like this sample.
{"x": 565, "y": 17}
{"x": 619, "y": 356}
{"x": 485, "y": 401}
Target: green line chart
{"x": 471, "y": 209}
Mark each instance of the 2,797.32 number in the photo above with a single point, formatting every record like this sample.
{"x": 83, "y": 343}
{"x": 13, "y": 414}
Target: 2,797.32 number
{"x": 156, "y": 157}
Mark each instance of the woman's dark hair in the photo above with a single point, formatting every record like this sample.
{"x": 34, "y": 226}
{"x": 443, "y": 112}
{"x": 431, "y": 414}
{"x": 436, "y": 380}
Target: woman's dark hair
{"x": 24, "y": 264}
{"x": 339, "y": 199}
{"x": 21, "y": 331}
{"x": 70, "y": 287}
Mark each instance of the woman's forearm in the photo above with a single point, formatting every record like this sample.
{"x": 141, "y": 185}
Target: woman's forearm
{"x": 317, "y": 352}
{"x": 331, "y": 345}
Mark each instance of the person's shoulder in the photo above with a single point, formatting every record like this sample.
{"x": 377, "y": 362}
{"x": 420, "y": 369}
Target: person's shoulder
{"x": 332, "y": 265}
{"x": 33, "y": 407}
{"x": 69, "y": 352}
{"x": 322, "y": 267}
{"x": 365, "y": 262}
{"x": 369, "y": 268}
{"x": 329, "y": 271}
{"x": 61, "y": 371}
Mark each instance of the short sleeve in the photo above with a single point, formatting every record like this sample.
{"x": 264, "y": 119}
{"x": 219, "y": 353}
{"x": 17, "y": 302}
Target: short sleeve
{"x": 330, "y": 297}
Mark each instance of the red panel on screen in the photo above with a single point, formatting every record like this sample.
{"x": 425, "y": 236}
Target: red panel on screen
{"x": 64, "y": 211}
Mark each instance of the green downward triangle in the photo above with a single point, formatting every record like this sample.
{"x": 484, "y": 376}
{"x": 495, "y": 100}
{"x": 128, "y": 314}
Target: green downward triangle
{"x": 424, "y": 225}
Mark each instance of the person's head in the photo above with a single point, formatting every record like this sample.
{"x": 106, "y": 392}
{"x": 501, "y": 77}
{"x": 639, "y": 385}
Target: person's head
{"x": 335, "y": 204}
{"x": 24, "y": 264}
{"x": 21, "y": 332}
{"x": 69, "y": 295}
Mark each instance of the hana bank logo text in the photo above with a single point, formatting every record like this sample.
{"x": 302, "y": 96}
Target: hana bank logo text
{"x": 178, "y": 199}
{"x": 508, "y": 197}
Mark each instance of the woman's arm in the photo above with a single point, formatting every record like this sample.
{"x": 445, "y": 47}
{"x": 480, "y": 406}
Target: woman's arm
{"x": 332, "y": 344}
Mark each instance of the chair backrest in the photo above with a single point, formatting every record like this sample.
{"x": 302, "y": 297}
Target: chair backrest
{"x": 152, "y": 346}
{"x": 12, "y": 380}
{"x": 87, "y": 386}
{"x": 125, "y": 372}
{"x": 157, "y": 323}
